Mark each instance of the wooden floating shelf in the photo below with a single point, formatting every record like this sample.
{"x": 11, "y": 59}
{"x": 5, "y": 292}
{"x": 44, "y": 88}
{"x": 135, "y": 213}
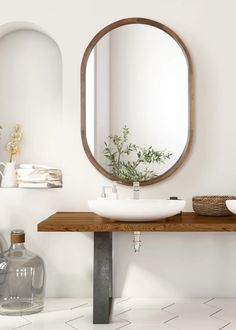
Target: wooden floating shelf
{"x": 90, "y": 222}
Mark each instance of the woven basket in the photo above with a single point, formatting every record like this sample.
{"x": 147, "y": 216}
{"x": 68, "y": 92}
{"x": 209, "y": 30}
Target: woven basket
{"x": 211, "y": 205}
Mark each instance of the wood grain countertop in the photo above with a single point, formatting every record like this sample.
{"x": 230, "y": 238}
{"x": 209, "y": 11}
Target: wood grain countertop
{"x": 90, "y": 222}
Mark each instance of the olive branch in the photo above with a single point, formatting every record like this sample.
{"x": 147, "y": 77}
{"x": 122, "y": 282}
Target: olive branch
{"x": 118, "y": 151}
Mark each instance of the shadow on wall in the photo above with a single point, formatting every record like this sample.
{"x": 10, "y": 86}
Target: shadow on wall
{"x": 162, "y": 265}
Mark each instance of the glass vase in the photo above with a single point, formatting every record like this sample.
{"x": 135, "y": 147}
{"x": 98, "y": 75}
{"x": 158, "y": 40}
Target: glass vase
{"x": 3, "y": 244}
{"x": 22, "y": 279}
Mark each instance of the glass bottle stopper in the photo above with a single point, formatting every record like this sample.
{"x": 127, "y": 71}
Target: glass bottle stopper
{"x": 17, "y": 236}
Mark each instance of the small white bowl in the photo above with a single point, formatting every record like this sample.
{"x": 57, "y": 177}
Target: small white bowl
{"x": 231, "y": 205}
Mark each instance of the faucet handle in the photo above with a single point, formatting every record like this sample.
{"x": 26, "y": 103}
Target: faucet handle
{"x": 113, "y": 188}
{"x": 103, "y": 194}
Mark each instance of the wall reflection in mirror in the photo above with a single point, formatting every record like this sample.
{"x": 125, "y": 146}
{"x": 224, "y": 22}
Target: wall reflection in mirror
{"x": 137, "y": 102}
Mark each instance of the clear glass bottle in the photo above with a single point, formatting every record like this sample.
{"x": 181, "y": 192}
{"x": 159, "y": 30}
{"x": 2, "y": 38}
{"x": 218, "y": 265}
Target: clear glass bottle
{"x": 22, "y": 279}
{"x": 3, "y": 244}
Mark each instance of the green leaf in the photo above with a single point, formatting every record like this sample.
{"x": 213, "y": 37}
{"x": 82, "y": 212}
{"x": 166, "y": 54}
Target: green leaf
{"x": 129, "y": 161}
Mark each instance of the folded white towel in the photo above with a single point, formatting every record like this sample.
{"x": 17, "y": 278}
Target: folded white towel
{"x": 38, "y": 173}
{"x": 38, "y": 179}
{"x": 46, "y": 176}
{"x": 40, "y": 185}
{"x": 37, "y": 166}
{"x": 41, "y": 176}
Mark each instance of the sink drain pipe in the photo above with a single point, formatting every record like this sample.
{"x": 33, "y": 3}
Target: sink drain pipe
{"x": 137, "y": 241}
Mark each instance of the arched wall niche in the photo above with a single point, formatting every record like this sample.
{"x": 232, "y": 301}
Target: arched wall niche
{"x": 31, "y": 92}
{"x": 20, "y": 25}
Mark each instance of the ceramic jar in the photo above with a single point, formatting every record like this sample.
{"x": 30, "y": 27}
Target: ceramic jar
{"x": 8, "y": 175}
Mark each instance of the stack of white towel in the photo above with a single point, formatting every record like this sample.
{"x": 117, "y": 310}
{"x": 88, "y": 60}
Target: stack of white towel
{"x": 38, "y": 176}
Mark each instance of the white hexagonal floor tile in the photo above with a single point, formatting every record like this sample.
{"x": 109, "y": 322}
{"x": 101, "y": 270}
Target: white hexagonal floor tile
{"x": 130, "y": 314}
{"x": 12, "y": 322}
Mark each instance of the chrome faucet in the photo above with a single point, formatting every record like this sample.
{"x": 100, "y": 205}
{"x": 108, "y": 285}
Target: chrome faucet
{"x": 103, "y": 194}
{"x": 114, "y": 193}
{"x": 135, "y": 190}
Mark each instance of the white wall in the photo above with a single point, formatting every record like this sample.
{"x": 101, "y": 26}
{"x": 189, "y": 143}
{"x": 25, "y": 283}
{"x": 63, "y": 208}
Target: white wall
{"x": 174, "y": 264}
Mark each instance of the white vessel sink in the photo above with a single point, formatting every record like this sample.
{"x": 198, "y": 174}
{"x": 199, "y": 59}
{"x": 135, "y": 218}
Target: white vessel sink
{"x": 136, "y": 210}
{"x": 231, "y": 205}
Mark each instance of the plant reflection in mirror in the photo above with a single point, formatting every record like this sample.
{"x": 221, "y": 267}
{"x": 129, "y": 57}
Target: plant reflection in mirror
{"x": 129, "y": 161}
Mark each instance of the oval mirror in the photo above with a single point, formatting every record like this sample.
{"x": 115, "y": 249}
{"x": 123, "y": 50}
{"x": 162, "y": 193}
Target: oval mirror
{"x": 136, "y": 101}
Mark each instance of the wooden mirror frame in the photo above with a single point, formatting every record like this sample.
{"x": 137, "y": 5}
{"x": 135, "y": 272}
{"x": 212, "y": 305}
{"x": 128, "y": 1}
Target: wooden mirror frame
{"x": 88, "y": 50}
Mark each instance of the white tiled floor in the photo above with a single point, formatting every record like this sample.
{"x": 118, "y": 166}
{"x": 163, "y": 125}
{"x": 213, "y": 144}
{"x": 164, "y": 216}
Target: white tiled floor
{"x": 131, "y": 314}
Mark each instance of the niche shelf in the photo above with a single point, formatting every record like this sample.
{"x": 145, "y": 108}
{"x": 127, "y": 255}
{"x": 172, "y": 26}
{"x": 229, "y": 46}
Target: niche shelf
{"x": 31, "y": 94}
